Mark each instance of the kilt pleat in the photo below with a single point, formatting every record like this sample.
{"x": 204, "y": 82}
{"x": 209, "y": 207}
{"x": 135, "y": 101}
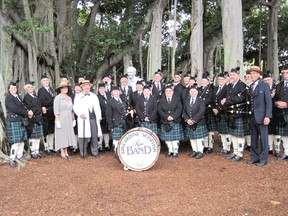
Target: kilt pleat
{"x": 282, "y": 131}
{"x": 240, "y": 128}
{"x": 176, "y": 133}
{"x": 212, "y": 126}
{"x": 222, "y": 125}
{"x": 118, "y": 132}
{"x": 201, "y": 131}
{"x": 150, "y": 125}
{"x": 37, "y": 131}
{"x": 15, "y": 132}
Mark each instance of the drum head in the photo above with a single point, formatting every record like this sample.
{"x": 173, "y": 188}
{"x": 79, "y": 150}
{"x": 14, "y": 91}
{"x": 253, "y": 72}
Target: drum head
{"x": 139, "y": 149}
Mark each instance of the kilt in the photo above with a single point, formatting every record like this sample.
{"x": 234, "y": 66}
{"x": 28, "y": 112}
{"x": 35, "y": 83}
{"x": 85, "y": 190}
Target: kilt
{"x": 37, "y": 131}
{"x": 118, "y": 132}
{"x": 176, "y": 133}
{"x": 15, "y": 132}
{"x": 200, "y": 132}
{"x": 282, "y": 131}
{"x": 104, "y": 126}
{"x": 212, "y": 125}
{"x": 150, "y": 125}
{"x": 222, "y": 125}
{"x": 240, "y": 128}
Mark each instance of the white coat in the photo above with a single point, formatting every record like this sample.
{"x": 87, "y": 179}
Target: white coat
{"x": 82, "y": 105}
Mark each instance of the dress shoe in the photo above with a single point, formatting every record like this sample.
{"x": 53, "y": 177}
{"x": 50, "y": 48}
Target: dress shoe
{"x": 35, "y": 156}
{"x": 237, "y": 159}
{"x": 223, "y": 152}
{"x": 209, "y": 150}
{"x": 246, "y": 147}
{"x": 284, "y": 157}
{"x": 169, "y": 154}
{"x": 40, "y": 155}
{"x": 253, "y": 162}
{"x": 277, "y": 155}
{"x": 12, "y": 163}
{"x": 22, "y": 159}
{"x": 48, "y": 152}
{"x": 270, "y": 152}
{"x": 107, "y": 149}
{"x": 193, "y": 154}
{"x": 199, "y": 155}
{"x": 231, "y": 156}
{"x": 100, "y": 149}
{"x": 261, "y": 164}
{"x": 175, "y": 155}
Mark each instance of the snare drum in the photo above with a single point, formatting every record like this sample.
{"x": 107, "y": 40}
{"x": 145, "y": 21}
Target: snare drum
{"x": 139, "y": 149}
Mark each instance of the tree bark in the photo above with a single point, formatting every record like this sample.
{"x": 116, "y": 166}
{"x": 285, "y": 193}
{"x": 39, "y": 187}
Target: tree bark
{"x": 196, "y": 40}
{"x": 174, "y": 40}
{"x": 232, "y": 34}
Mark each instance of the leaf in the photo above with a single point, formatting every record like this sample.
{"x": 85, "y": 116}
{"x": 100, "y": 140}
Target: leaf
{"x": 275, "y": 202}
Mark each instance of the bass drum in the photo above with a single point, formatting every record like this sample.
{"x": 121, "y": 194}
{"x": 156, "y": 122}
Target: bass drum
{"x": 138, "y": 149}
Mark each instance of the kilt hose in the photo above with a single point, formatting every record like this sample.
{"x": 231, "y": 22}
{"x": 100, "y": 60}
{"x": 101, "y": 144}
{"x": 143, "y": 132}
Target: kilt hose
{"x": 15, "y": 132}
{"x": 240, "y": 128}
{"x": 199, "y": 133}
{"x": 176, "y": 132}
{"x": 150, "y": 125}
{"x": 37, "y": 131}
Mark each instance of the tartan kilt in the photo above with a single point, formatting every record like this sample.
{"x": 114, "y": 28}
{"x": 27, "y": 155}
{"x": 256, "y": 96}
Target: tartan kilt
{"x": 37, "y": 131}
{"x": 240, "y": 128}
{"x": 176, "y": 133}
{"x": 212, "y": 125}
{"x": 282, "y": 131}
{"x": 150, "y": 125}
{"x": 15, "y": 132}
{"x": 118, "y": 132}
{"x": 104, "y": 126}
{"x": 222, "y": 125}
{"x": 200, "y": 132}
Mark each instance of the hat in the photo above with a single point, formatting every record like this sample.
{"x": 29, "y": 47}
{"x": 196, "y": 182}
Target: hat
{"x": 169, "y": 86}
{"x": 193, "y": 87}
{"x": 44, "y": 76}
{"x": 123, "y": 76}
{"x": 12, "y": 83}
{"x": 222, "y": 75}
{"x": 28, "y": 83}
{"x": 254, "y": 68}
{"x": 62, "y": 84}
{"x": 267, "y": 75}
{"x": 235, "y": 70}
{"x": 139, "y": 82}
{"x": 179, "y": 73}
{"x": 206, "y": 75}
{"x": 85, "y": 82}
{"x": 101, "y": 85}
{"x": 147, "y": 87}
{"x": 158, "y": 72}
{"x": 63, "y": 76}
{"x": 186, "y": 75}
{"x": 285, "y": 67}
{"x": 115, "y": 88}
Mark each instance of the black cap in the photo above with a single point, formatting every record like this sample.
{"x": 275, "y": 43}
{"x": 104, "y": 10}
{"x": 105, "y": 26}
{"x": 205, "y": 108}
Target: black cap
{"x": 101, "y": 85}
{"x": 158, "y": 72}
{"x": 123, "y": 76}
{"x": 28, "y": 82}
{"x": 12, "y": 83}
{"x": 140, "y": 82}
{"x": 193, "y": 87}
{"x": 187, "y": 75}
{"x": 44, "y": 76}
{"x": 222, "y": 75}
{"x": 63, "y": 76}
{"x": 235, "y": 70}
{"x": 179, "y": 73}
{"x": 115, "y": 88}
{"x": 266, "y": 75}
{"x": 205, "y": 75}
{"x": 147, "y": 87}
{"x": 285, "y": 67}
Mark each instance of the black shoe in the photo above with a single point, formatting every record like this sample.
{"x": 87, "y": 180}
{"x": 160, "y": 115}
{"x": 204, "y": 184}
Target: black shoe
{"x": 193, "y": 154}
{"x": 35, "y": 156}
{"x": 261, "y": 164}
{"x": 22, "y": 159}
{"x": 49, "y": 152}
{"x": 246, "y": 147}
{"x": 253, "y": 162}
{"x": 230, "y": 156}
{"x": 12, "y": 163}
{"x": 107, "y": 149}
{"x": 100, "y": 149}
{"x": 40, "y": 155}
{"x": 199, "y": 155}
{"x": 270, "y": 152}
{"x": 237, "y": 159}
{"x": 223, "y": 152}
{"x": 169, "y": 154}
{"x": 209, "y": 150}
{"x": 284, "y": 157}
{"x": 205, "y": 149}
{"x": 175, "y": 155}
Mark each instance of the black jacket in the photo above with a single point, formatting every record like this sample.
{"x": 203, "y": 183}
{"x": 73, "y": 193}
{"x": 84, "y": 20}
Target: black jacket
{"x": 195, "y": 112}
{"x": 15, "y": 109}
{"x": 149, "y": 111}
{"x": 174, "y": 108}
{"x": 116, "y": 113}
{"x": 34, "y": 104}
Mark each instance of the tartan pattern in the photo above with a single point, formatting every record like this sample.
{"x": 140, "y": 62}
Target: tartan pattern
{"x": 118, "y": 132}
{"x": 37, "y": 131}
{"x": 15, "y": 132}
{"x": 282, "y": 131}
{"x": 176, "y": 132}
{"x": 150, "y": 125}
{"x": 240, "y": 128}
{"x": 222, "y": 125}
{"x": 212, "y": 126}
{"x": 200, "y": 132}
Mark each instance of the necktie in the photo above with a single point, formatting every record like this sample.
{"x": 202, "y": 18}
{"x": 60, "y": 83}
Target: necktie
{"x": 252, "y": 89}
{"x": 158, "y": 86}
{"x": 286, "y": 84}
{"x": 104, "y": 96}
{"x": 87, "y": 94}
{"x": 169, "y": 100}
{"x": 145, "y": 101}
{"x": 50, "y": 92}
{"x": 125, "y": 91}
{"x": 192, "y": 102}
{"x": 219, "y": 89}
{"x": 18, "y": 98}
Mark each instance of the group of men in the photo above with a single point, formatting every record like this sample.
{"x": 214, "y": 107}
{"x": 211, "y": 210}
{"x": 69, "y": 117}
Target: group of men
{"x": 240, "y": 112}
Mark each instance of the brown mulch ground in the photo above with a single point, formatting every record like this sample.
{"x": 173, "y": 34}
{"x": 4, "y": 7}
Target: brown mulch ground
{"x": 173, "y": 186}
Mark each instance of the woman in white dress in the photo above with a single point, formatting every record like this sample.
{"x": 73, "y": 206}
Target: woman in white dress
{"x": 64, "y": 121}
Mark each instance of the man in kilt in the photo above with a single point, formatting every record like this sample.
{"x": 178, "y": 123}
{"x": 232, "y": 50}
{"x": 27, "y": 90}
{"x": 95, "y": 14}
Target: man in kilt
{"x": 274, "y": 139}
{"x": 219, "y": 112}
{"x": 146, "y": 109}
{"x": 15, "y": 129}
{"x": 170, "y": 112}
{"x": 46, "y": 97}
{"x": 206, "y": 94}
{"x": 281, "y": 102}
{"x": 36, "y": 129}
{"x": 103, "y": 100}
{"x": 234, "y": 101}
{"x": 196, "y": 128}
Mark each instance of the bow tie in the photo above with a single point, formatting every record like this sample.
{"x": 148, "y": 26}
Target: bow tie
{"x": 87, "y": 94}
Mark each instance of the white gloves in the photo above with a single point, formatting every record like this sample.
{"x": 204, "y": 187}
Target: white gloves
{"x": 74, "y": 123}
{"x": 58, "y": 124}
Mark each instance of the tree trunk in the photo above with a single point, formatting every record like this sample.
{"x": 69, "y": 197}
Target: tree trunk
{"x": 127, "y": 62}
{"x": 272, "y": 46}
{"x": 154, "y": 50}
{"x": 232, "y": 34}
{"x": 174, "y": 40}
{"x": 196, "y": 40}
